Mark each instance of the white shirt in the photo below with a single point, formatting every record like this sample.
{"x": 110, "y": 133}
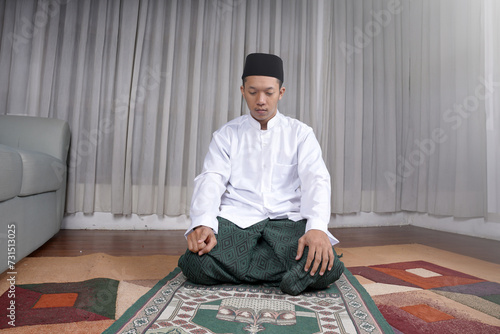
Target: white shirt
{"x": 251, "y": 174}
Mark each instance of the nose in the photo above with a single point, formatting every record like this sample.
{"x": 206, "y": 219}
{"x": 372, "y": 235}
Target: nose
{"x": 261, "y": 99}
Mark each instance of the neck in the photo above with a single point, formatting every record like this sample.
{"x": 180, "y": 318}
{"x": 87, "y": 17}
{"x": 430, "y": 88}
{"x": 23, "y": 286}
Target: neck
{"x": 263, "y": 122}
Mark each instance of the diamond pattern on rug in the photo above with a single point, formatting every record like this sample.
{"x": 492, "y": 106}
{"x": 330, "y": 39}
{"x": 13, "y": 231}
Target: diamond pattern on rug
{"x": 447, "y": 277}
{"x": 427, "y": 313}
{"x": 56, "y": 303}
{"x": 375, "y": 289}
{"x": 475, "y": 302}
{"x": 56, "y": 300}
{"x": 477, "y": 289}
{"x": 421, "y": 297}
{"x": 423, "y": 272}
{"x": 379, "y": 277}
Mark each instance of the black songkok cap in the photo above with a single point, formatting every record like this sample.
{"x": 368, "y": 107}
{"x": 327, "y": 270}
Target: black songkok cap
{"x": 263, "y": 64}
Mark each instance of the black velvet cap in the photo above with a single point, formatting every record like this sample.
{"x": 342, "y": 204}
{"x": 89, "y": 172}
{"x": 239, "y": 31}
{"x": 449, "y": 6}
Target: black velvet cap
{"x": 265, "y": 64}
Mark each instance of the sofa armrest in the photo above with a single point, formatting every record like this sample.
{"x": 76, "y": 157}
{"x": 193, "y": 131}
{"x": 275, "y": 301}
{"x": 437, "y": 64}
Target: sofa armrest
{"x": 46, "y": 135}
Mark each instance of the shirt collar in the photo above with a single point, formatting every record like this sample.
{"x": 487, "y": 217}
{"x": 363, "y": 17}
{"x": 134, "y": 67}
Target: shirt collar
{"x": 270, "y": 124}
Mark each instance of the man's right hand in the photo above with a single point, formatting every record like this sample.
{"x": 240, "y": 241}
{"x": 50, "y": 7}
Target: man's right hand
{"x": 201, "y": 240}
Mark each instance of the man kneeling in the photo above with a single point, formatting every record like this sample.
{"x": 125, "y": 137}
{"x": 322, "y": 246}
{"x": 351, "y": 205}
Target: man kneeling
{"x": 261, "y": 206}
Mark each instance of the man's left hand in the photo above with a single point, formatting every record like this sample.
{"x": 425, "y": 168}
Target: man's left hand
{"x": 320, "y": 251}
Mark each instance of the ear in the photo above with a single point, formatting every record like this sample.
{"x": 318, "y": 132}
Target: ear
{"x": 242, "y": 89}
{"x": 282, "y": 91}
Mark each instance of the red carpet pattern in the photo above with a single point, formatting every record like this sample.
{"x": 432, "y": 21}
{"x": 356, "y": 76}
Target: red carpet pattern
{"x": 56, "y": 303}
{"x": 421, "y": 297}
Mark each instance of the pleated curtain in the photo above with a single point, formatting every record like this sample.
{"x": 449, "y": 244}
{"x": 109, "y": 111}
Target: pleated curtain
{"x": 398, "y": 92}
{"x": 492, "y": 99}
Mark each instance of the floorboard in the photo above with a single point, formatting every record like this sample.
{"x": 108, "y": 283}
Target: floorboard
{"x": 167, "y": 242}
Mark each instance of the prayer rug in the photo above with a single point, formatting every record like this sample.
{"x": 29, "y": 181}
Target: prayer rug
{"x": 175, "y": 305}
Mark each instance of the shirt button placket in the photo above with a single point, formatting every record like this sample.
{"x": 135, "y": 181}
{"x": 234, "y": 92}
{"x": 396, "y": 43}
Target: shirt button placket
{"x": 266, "y": 166}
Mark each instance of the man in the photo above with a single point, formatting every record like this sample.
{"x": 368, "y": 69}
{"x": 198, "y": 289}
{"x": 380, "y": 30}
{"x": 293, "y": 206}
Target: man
{"x": 261, "y": 206}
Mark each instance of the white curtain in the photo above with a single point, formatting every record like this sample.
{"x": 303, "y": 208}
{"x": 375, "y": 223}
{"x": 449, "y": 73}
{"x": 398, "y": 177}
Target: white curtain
{"x": 143, "y": 84}
{"x": 442, "y": 163}
{"x": 492, "y": 78}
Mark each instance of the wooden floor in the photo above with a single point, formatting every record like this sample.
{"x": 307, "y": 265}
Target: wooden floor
{"x": 139, "y": 243}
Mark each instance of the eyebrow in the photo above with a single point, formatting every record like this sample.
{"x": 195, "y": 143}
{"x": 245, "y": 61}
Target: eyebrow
{"x": 265, "y": 89}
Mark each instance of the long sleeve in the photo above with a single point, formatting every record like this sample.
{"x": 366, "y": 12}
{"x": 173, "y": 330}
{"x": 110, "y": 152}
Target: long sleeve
{"x": 315, "y": 186}
{"x": 210, "y": 185}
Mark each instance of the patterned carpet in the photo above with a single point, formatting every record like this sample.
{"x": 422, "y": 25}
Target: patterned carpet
{"x": 84, "y": 294}
{"x": 418, "y": 289}
{"x": 421, "y": 297}
{"x": 176, "y": 306}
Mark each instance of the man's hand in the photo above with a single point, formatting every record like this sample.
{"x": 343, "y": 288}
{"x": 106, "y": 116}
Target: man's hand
{"x": 201, "y": 240}
{"x": 320, "y": 251}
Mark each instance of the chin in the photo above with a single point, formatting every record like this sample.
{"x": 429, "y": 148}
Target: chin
{"x": 260, "y": 117}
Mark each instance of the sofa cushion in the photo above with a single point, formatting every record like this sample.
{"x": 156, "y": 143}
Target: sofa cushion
{"x": 11, "y": 173}
{"x": 41, "y": 173}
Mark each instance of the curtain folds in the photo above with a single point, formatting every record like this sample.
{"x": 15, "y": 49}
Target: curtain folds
{"x": 442, "y": 163}
{"x": 397, "y": 92}
{"x": 492, "y": 98}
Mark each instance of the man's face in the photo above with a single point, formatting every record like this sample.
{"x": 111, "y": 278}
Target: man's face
{"x": 262, "y": 95}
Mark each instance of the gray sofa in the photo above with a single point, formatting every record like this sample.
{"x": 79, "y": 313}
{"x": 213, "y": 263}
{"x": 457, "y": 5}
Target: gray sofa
{"x": 33, "y": 153}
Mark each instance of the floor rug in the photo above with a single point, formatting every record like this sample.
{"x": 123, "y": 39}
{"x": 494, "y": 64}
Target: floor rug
{"x": 421, "y": 289}
{"x": 175, "y": 305}
{"x": 417, "y": 289}
{"x": 421, "y": 297}
{"x": 83, "y": 294}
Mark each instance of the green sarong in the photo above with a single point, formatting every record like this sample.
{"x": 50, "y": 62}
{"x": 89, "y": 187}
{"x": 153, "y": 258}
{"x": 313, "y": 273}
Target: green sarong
{"x": 263, "y": 253}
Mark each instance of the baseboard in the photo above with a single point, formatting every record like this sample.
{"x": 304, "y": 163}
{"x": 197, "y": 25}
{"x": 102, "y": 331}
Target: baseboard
{"x": 477, "y": 227}
{"x": 488, "y": 227}
{"x": 108, "y": 221}
{"x": 368, "y": 219}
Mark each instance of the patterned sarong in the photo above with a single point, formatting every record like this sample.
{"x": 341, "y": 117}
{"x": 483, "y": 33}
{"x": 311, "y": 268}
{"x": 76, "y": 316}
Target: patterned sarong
{"x": 263, "y": 253}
